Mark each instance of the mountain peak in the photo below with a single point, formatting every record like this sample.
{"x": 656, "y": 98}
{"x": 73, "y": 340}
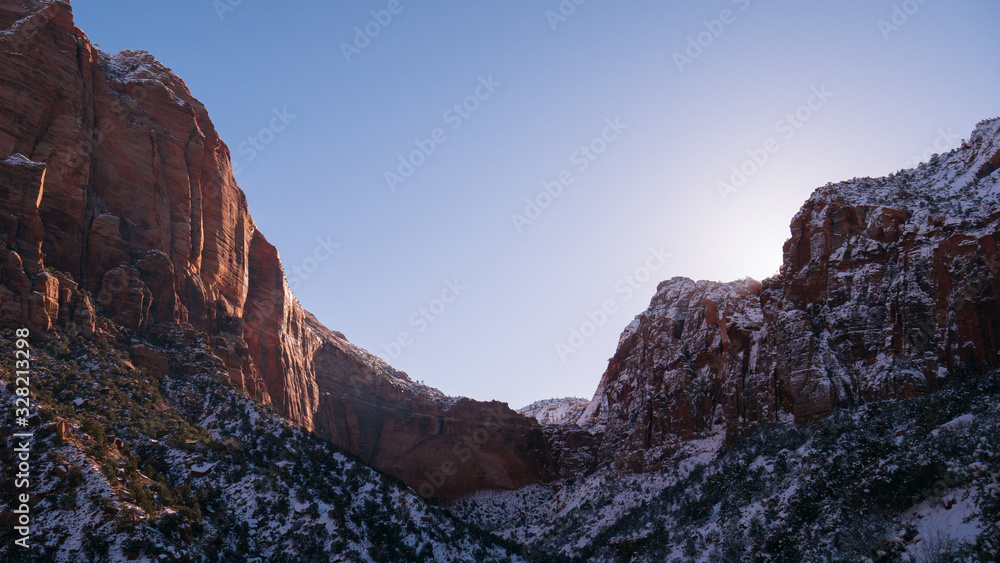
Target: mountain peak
{"x": 955, "y": 183}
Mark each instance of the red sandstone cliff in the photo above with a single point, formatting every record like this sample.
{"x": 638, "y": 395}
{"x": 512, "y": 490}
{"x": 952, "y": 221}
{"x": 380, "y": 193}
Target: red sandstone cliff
{"x": 889, "y": 288}
{"x": 120, "y": 216}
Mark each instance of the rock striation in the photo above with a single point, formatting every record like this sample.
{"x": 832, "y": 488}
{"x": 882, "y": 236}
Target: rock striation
{"x": 120, "y": 217}
{"x": 889, "y": 288}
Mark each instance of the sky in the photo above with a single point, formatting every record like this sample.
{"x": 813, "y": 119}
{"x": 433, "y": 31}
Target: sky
{"x": 486, "y": 193}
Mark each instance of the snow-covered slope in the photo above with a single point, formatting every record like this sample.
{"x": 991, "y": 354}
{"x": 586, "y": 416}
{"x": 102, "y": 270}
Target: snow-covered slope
{"x": 129, "y": 468}
{"x": 908, "y": 480}
{"x": 556, "y": 411}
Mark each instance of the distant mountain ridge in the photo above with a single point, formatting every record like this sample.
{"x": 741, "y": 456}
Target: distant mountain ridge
{"x": 566, "y": 410}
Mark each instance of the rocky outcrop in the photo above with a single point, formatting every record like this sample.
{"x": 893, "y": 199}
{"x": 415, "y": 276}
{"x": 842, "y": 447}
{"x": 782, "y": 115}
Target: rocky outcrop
{"x": 889, "y": 288}
{"x": 24, "y": 301}
{"x": 120, "y": 217}
{"x": 556, "y": 411}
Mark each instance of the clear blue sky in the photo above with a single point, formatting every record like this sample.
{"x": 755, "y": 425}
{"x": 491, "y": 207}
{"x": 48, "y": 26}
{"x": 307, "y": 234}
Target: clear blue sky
{"x": 886, "y": 94}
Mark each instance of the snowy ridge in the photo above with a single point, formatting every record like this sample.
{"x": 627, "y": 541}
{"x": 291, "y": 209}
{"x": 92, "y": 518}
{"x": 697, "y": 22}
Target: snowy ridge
{"x": 556, "y": 411}
{"x": 131, "y": 65}
{"x": 19, "y": 159}
{"x": 140, "y": 68}
{"x": 595, "y": 417}
{"x": 958, "y": 184}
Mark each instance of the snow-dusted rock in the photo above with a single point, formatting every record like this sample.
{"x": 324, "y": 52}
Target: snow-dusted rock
{"x": 889, "y": 287}
{"x": 556, "y": 411}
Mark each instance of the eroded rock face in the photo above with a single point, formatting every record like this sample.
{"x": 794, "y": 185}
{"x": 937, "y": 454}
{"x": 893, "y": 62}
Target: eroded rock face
{"x": 889, "y": 288}
{"x": 556, "y": 411}
{"x": 119, "y": 215}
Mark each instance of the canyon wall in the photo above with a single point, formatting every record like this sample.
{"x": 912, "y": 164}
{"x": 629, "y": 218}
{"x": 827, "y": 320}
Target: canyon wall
{"x": 889, "y": 287}
{"x": 120, "y": 217}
